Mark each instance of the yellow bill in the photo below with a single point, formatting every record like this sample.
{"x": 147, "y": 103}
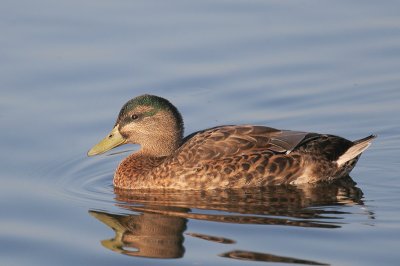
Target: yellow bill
{"x": 113, "y": 139}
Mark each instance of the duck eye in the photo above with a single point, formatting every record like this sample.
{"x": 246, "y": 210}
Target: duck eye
{"x": 134, "y": 117}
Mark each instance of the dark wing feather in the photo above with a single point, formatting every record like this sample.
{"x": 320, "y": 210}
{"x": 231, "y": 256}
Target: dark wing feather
{"x": 228, "y": 141}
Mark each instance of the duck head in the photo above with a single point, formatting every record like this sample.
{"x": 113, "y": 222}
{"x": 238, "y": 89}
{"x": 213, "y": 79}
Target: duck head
{"x": 148, "y": 120}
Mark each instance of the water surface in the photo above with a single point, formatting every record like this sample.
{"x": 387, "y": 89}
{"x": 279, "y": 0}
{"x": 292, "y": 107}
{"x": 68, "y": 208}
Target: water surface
{"x": 68, "y": 66}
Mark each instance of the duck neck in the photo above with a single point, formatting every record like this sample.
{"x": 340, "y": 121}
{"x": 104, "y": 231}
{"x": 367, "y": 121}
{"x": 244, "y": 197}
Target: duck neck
{"x": 161, "y": 145}
{"x": 165, "y": 138}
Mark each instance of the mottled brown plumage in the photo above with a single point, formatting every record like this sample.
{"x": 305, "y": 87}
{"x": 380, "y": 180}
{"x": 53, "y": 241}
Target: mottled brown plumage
{"x": 240, "y": 156}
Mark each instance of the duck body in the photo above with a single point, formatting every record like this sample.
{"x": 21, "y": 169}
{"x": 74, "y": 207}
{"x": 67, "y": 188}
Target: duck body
{"x": 224, "y": 157}
{"x": 239, "y": 157}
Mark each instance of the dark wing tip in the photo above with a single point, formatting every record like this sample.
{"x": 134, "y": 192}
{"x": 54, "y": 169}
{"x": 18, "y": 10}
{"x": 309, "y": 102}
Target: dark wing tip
{"x": 366, "y": 139}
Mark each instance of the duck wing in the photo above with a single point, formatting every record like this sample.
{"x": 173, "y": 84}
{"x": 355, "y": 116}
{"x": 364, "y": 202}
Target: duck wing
{"x": 228, "y": 141}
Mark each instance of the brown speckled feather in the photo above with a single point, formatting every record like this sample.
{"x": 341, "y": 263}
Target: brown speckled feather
{"x": 225, "y": 141}
{"x": 238, "y": 156}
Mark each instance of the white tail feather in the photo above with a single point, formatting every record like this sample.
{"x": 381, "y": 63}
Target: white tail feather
{"x": 355, "y": 150}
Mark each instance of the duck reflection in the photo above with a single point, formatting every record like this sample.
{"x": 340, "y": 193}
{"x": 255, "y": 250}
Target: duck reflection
{"x": 256, "y": 256}
{"x": 147, "y": 235}
{"x": 156, "y": 230}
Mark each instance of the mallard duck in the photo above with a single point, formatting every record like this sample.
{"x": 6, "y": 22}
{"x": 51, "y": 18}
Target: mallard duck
{"x": 222, "y": 157}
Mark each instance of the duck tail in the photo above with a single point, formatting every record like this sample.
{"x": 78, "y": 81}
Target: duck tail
{"x": 358, "y": 147}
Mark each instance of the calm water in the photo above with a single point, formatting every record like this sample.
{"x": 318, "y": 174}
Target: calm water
{"x": 68, "y": 66}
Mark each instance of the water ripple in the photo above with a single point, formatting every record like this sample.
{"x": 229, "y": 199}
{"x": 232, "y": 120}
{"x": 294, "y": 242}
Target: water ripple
{"x": 86, "y": 181}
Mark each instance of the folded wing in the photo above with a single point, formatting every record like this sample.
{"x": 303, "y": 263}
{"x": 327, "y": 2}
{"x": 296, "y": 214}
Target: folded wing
{"x": 230, "y": 141}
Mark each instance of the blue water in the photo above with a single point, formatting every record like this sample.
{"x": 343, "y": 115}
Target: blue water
{"x": 68, "y": 66}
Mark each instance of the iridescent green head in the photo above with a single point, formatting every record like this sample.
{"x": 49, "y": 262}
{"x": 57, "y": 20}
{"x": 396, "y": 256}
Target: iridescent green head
{"x": 145, "y": 106}
{"x": 148, "y": 120}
